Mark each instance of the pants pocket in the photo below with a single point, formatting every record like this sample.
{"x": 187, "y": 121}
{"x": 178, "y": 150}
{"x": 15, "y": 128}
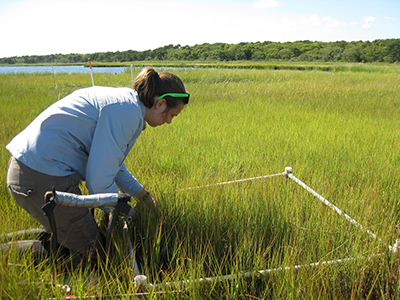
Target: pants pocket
{"x": 24, "y": 190}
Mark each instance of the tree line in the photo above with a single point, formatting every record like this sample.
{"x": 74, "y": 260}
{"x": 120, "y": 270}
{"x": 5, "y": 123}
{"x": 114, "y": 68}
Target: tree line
{"x": 384, "y": 50}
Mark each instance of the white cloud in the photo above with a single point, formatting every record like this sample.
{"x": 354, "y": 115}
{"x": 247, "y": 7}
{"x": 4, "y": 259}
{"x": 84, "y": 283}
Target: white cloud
{"x": 369, "y": 19}
{"x": 368, "y": 22}
{"x": 390, "y": 19}
{"x": 313, "y": 27}
{"x": 313, "y": 20}
{"x": 266, "y": 4}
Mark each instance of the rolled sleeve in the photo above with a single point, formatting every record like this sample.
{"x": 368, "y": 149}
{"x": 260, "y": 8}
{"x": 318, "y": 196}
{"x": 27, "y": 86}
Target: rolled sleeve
{"x": 127, "y": 182}
{"x": 118, "y": 126}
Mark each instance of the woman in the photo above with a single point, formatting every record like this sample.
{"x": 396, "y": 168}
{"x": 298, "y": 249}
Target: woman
{"x": 86, "y": 136}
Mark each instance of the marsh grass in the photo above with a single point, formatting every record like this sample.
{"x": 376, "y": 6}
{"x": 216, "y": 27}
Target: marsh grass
{"x": 338, "y": 130}
{"x": 261, "y": 65}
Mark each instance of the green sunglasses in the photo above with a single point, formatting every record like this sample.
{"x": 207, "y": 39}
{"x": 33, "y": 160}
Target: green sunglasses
{"x": 176, "y": 95}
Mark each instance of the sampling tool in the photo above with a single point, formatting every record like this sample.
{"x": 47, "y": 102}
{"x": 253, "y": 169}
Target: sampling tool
{"x": 46, "y": 245}
{"x": 117, "y": 202}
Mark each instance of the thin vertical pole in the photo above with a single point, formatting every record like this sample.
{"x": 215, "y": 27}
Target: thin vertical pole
{"x": 91, "y": 71}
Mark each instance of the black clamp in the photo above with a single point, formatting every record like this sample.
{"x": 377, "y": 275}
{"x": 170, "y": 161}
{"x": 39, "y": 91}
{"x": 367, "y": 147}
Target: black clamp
{"x": 50, "y": 204}
{"x": 122, "y": 204}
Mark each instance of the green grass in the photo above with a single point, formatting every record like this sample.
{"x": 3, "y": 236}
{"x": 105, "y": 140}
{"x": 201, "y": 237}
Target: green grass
{"x": 338, "y": 130}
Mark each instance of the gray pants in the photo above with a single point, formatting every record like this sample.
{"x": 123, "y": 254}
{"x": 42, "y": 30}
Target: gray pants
{"x": 76, "y": 227}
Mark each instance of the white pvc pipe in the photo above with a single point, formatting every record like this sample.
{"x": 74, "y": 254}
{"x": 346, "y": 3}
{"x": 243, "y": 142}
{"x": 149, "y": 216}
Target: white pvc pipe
{"x": 142, "y": 280}
{"x": 131, "y": 254}
{"x": 91, "y": 71}
{"x": 290, "y": 175}
{"x": 91, "y": 201}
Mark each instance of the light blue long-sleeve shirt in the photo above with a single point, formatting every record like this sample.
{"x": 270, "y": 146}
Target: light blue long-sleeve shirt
{"x": 90, "y": 133}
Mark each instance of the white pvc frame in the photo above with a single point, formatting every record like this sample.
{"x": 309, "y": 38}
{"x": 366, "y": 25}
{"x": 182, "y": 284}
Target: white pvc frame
{"x": 142, "y": 279}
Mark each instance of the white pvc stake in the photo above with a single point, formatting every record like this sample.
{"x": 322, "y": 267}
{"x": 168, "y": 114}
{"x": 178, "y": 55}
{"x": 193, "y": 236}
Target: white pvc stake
{"x": 91, "y": 71}
{"x": 130, "y": 248}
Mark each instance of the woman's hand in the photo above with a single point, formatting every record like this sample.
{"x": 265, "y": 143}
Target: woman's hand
{"x": 147, "y": 199}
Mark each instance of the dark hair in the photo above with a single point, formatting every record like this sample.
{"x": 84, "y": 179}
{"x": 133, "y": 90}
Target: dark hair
{"x": 150, "y": 84}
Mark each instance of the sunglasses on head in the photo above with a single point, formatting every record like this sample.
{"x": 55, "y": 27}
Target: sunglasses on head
{"x": 176, "y": 95}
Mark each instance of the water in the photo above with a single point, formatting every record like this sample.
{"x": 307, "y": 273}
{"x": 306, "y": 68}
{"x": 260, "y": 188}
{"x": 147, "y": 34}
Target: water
{"x": 61, "y": 69}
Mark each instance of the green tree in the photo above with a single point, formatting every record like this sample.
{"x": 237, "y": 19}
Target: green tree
{"x": 352, "y": 53}
{"x": 373, "y": 52}
{"x": 392, "y": 50}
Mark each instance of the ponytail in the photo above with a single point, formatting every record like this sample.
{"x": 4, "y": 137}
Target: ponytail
{"x": 145, "y": 85}
{"x": 150, "y": 84}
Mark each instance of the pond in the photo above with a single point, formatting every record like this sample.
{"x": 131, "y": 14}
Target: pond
{"x": 76, "y": 69}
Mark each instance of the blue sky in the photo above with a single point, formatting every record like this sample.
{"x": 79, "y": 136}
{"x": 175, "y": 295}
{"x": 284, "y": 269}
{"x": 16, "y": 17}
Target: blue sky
{"x": 40, "y": 27}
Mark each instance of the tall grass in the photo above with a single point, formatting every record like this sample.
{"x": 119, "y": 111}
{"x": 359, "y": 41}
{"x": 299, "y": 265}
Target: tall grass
{"x": 339, "y": 131}
{"x": 263, "y": 65}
